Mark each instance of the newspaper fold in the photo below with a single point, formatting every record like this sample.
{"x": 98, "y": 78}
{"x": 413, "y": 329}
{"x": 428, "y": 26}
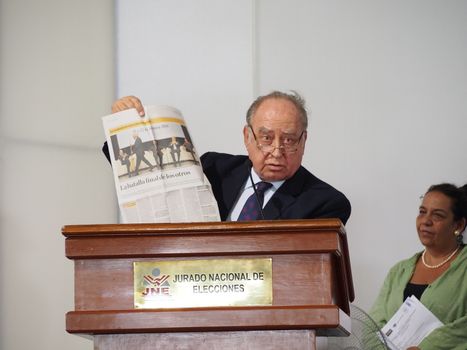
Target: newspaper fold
{"x": 157, "y": 172}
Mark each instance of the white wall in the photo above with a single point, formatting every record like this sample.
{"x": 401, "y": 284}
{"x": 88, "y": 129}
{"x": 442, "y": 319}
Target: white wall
{"x": 57, "y": 80}
{"x": 194, "y": 55}
{"x": 385, "y": 81}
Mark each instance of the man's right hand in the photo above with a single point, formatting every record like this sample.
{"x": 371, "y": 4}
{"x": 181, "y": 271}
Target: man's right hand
{"x": 128, "y": 102}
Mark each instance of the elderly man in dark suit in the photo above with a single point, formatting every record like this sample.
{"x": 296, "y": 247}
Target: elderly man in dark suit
{"x": 271, "y": 176}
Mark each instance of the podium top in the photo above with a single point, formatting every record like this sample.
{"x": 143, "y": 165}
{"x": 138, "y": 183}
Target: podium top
{"x": 226, "y": 227}
{"x": 254, "y": 238}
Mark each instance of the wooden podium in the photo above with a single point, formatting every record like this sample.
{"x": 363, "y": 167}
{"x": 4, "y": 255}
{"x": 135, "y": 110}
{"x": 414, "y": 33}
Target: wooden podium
{"x": 311, "y": 284}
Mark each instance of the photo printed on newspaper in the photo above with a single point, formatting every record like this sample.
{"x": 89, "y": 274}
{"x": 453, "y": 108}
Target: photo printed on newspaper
{"x": 157, "y": 171}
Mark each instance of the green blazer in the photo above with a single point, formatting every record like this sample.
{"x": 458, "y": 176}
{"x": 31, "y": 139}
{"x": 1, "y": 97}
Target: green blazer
{"x": 446, "y": 298}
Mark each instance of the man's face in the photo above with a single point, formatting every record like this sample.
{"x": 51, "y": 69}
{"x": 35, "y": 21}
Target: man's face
{"x": 276, "y": 122}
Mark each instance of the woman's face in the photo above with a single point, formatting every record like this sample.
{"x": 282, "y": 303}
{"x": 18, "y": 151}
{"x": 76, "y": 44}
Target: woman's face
{"x": 435, "y": 222}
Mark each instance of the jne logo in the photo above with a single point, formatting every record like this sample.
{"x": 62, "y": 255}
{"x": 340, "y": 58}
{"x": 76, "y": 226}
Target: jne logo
{"x": 156, "y": 284}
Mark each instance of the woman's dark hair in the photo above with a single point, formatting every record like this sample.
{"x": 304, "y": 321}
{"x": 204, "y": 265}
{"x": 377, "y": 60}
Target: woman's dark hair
{"x": 458, "y": 197}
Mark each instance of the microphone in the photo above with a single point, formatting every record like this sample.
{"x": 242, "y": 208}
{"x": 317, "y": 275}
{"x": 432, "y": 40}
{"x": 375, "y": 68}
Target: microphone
{"x": 260, "y": 204}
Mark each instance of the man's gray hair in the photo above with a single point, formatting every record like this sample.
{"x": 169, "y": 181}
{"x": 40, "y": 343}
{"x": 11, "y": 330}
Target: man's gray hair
{"x": 297, "y": 100}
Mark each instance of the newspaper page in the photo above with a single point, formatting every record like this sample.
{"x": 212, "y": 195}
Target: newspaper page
{"x": 410, "y": 324}
{"x": 157, "y": 172}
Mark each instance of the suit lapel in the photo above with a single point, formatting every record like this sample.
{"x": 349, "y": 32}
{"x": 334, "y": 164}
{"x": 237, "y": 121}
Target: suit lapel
{"x": 231, "y": 187}
{"x": 285, "y": 196}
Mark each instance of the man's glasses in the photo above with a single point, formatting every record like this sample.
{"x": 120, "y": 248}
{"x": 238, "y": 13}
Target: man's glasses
{"x": 288, "y": 145}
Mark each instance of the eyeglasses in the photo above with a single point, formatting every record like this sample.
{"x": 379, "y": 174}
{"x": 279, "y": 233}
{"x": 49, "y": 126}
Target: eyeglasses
{"x": 288, "y": 145}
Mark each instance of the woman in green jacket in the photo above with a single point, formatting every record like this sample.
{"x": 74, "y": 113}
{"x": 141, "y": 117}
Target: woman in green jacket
{"x": 437, "y": 276}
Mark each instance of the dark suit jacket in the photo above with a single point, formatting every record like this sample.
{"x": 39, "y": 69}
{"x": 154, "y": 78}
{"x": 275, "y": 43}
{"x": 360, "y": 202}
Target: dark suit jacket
{"x": 138, "y": 147}
{"x": 303, "y": 196}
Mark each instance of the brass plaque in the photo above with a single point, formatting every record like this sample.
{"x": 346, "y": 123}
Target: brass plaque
{"x": 202, "y": 283}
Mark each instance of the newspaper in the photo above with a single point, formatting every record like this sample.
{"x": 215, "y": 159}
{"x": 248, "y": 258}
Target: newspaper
{"x": 410, "y": 325}
{"x": 157, "y": 172}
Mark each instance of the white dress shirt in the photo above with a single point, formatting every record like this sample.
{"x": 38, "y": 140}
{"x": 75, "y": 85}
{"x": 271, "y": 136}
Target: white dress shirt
{"x": 247, "y": 190}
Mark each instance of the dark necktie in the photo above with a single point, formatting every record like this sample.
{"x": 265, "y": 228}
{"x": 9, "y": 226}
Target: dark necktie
{"x": 251, "y": 210}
